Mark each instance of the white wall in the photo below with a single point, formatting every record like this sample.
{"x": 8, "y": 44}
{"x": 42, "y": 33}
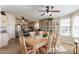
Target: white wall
{"x": 10, "y": 27}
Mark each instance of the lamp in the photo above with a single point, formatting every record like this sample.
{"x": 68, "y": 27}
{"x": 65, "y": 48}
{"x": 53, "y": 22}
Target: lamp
{"x": 76, "y": 41}
{"x": 76, "y": 45}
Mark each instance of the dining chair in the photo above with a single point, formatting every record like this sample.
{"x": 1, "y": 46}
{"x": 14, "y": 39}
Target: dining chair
{"x": 51, "y": 43}
{"x": 55, "y": 41}
{"x": 58, "y": 40}
{"x": 23, "y": 47}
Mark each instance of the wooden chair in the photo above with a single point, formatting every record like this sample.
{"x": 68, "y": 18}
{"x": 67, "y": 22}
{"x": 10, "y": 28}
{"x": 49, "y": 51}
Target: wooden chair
{"x": 51, "y": 42}
{"x": 55, "y": 41}
{"x": 24, "y": 49}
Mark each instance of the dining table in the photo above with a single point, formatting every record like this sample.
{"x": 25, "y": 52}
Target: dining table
{"x": 36, "y": 43}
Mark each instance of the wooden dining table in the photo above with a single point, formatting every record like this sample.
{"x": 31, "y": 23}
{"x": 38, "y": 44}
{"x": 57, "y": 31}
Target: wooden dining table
{"x": 36, "y": 43}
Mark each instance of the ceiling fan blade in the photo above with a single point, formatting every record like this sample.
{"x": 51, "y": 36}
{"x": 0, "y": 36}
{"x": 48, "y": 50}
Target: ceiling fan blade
{"x": 42, "y": 14}
{"x": 55, "y": 11}
{"x": 41, "y": 11}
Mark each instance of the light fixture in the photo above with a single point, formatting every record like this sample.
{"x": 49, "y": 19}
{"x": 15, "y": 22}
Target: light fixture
{"x": 23, "y": 19}
{"x": 3, "y": 13}
{"x": 50, "y": 17}
{"x": 76, "y": 41}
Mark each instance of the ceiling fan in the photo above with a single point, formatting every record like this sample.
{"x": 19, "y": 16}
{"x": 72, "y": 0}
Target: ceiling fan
{"x": 48, "y": 9}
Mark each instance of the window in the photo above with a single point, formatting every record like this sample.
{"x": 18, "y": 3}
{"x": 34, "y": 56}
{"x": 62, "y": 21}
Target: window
{"x": 65, "y": 27}
{"x": 75, "y": 27}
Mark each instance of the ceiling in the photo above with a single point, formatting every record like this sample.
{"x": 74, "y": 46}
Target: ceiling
{"x": 31, "y": 11}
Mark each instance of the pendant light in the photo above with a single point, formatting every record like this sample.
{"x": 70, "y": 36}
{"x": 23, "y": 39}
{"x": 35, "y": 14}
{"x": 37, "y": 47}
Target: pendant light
{"x": 50, "y": 17}
{"x": 22, "y": 18}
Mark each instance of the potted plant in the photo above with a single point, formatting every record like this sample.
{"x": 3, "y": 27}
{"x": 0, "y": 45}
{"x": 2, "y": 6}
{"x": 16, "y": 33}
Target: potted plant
{"x": 45, "y": 34}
